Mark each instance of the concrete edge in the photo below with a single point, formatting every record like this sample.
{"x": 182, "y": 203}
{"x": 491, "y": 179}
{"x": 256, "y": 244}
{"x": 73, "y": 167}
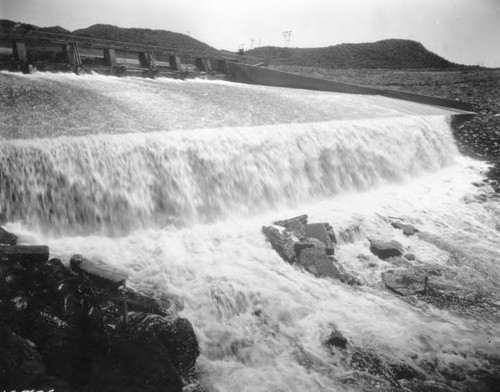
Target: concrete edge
{"x": 250, "y": 74}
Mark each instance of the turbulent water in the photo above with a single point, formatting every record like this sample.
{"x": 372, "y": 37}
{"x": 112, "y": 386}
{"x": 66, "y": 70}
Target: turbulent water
{"x": 173, "y": 180}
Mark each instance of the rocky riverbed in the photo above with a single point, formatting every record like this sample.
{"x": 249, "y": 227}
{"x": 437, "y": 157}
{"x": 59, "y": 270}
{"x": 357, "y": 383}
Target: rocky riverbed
{"x": 311, "y": 248}
{"x": 73, "y": 325}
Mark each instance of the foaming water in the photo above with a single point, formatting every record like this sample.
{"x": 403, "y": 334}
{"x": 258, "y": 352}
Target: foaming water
{"x": 261, "y": 322}
{"x": 178, "y": 198}
{"x": 112, "y": 183}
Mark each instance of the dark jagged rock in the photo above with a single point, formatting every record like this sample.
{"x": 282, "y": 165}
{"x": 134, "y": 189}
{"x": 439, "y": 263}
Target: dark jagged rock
{"x": 311, "y": 254}
{"x": 78, "y": 321}
{"x": 7, "y": 238}
{"x": 407, "y": 229}
{"x": 282, "y": 242}
{"x": 295, "y": 225}
{"x": 336, "y": 339}
{"x": 405, "y": 281}
{"x": 24, "y": 254}
{"x": 179, "y": 339}
{"x": 385, "y": 249}
{"x": 398, "y": 261}
{"x": 410, "y": 256}
{"x": 322, "y": 232}
{"x": 310, "y": 245}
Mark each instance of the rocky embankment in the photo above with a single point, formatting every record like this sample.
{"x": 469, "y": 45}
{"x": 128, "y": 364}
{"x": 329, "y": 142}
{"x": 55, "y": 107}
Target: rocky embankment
{"x": 76, "y": 327}
{"x": 311, "y": 247}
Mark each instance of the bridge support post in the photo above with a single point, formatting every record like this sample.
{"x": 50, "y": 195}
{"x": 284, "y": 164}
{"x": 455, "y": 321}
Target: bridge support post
{"x": 175, "y": 63}
{"x": 203, "y": 64}
{"x": 110, "y": 57}
{"x": 21, "y": 55}
{"x": 147, "y": 60}
{"x": 72, "y": 56}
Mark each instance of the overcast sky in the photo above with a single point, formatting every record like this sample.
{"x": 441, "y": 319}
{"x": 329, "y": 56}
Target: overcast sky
{"x": 464, "y": 31}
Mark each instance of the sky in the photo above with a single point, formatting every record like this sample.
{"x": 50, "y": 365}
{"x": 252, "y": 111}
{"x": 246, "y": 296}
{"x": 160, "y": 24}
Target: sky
{"x": 463, "y": 31}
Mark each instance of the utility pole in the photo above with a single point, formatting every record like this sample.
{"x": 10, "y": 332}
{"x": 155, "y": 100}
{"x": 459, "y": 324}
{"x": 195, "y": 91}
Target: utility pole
{"x": 287, "y": 35}
{"x": 251, "y": 43}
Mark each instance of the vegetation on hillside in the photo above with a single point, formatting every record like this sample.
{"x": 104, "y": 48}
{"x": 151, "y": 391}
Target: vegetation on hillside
{"x": 144, "y": 37}
{"x": 390, "y": 54}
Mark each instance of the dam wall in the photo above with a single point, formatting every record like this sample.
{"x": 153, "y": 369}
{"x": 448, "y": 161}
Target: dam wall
{"x": 63, "y": 52}
{"x": 244, "y": 73}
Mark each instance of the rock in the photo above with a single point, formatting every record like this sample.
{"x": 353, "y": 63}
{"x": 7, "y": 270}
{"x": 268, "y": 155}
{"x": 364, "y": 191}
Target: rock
{"x": 180, "y": 340}
{"x": 20, "y": 363}
{"x": 24, "y": 254}
{"x": 385, "y": 249}
{"x": 410, "y": 256}
{"x": 405, "y": 281}
{"x": 139, "y": 302}
{"x": 459, "y": 299}
{"x": 406, "y": 228}
{"x": 399, "y": 261}
{"x": 302, "y": 219}
{"x": 295, "y": 225}
{"x": 7, "y": 238}
{"x": 336, "y": 339}
{"x": 311, "y": 254}
{"x": 102, "y": 274}
{"x": 282, "y": 242}
{"x": 135, "y": 360}
{"x": 322, "y": 232}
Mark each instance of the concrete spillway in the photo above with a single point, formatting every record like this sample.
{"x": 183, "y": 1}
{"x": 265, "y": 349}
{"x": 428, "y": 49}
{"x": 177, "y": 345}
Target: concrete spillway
{"x": 172, "y": 181}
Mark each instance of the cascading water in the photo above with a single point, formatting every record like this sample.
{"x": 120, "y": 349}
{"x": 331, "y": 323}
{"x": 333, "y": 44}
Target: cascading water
{"x": 173, "y": 180}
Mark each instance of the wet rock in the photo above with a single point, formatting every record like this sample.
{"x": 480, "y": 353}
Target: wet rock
{"x": 24, "y": 254}
{"x": 7, "y": 238}
{"x": 407, "y": 229}
{"x": 134, "y": 360}
{"x": 283, "y": 242}
{"x": 336, "y": 339}
{"x": 180, "y": 340}
{"x": 410, "y": 256}
{"x": 385, "y": 249}
{"x": 295, "y": 225}
{"x": 20, "y": 363}
{"x": 459, "y": 299}
{"x": 405, "y": 281}
{"x": 322, "y": 232}
{"x": 102, "y": 274}
{"x": 311, "y": 254}
{"x": 399, "y": 261}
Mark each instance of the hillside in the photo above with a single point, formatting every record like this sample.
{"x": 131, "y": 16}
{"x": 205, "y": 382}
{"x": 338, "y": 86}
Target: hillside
{"x": 390, "y": 54}
{"x": 9, "y": 25}
{"x": 143, "y": 36}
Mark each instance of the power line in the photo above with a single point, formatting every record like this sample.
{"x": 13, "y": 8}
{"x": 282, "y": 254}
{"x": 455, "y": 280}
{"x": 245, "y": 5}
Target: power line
{"x": 287, "y": 35}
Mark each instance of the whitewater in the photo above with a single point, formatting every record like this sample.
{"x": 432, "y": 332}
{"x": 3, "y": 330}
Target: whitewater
{"x": 172, "y": 181}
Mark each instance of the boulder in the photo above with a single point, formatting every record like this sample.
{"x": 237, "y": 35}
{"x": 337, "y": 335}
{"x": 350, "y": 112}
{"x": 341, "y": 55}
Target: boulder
{"x": 322, "y": 232}
{"x": 399, "y": 261}
{"x": 311, "y": 254}
{"x": 7, "y": 238}
{"x": 282, "y": 242}
{"x": 336, "y": 339}
{"x": 20, "y": 363}
{"x": 385, "y": 249}
{"x": 405, "y": 282}
{"x": 294, "y": 225}
{"x": 180, "y": 340}
{"x": 24, "y": 254}
{"x": 407, "y": 229}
